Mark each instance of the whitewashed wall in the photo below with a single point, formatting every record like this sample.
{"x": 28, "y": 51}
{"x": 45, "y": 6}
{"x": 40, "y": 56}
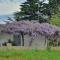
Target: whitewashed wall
{"x": 38, "y": 41}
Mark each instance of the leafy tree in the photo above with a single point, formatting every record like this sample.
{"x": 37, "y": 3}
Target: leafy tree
{"x": 29, "y": 10}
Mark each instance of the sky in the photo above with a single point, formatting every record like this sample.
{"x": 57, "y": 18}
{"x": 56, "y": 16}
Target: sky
{"x": 9, "y": 6}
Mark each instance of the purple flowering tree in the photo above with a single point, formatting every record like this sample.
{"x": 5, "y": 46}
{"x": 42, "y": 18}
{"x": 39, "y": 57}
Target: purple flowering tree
{"x": 32, "y": 29}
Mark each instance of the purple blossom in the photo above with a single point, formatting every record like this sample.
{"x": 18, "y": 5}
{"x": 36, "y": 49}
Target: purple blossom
{"x": 30, "y": 27}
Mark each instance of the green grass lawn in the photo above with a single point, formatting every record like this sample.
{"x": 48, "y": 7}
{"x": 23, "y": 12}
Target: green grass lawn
{"x": 28, "y": 54}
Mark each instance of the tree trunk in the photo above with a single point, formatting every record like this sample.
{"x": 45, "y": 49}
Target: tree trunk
{"x": 31, "y": 41}
{"x": 45, "y": 42}
{"x": 22, "y": 35}
{"x": 16, "y": 40}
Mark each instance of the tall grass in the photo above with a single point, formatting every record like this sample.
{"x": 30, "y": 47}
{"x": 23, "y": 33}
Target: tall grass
{"x": 28, "y": 54}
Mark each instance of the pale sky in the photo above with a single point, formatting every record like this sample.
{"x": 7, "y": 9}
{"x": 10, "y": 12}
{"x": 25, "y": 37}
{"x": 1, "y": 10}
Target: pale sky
{"x": 9, "y": 6}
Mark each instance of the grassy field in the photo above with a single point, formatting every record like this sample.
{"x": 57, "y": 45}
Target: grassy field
{"x": 7, "y": 53}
